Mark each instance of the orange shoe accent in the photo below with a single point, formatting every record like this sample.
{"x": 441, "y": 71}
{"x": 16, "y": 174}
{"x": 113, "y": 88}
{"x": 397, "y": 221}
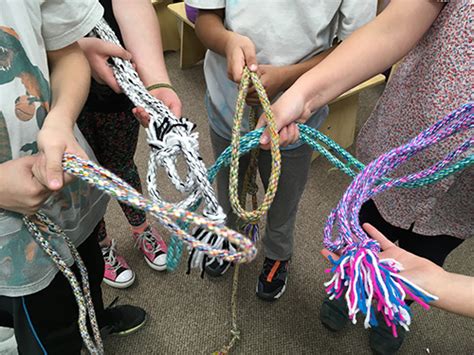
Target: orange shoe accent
{"x": 273, "y": 270}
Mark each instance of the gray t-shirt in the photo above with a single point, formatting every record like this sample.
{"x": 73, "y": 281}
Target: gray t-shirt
{"x": 27, "y": 29}
{"x": 284, "y": 32}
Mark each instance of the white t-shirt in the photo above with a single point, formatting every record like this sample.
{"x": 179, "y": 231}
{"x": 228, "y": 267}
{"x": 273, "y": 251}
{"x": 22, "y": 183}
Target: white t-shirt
{"x": 27, "y": 29}
{"x": 284, "y": 32}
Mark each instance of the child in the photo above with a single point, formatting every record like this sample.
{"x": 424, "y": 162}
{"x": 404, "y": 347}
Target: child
{"x": 434, "y": 79}
{"x": 281, "y": 41}
{"x": 38, "y": 110}
{"x": 110, "y": 128}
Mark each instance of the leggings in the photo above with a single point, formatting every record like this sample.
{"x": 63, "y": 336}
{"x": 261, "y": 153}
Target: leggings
{"x": 113, "y": 138}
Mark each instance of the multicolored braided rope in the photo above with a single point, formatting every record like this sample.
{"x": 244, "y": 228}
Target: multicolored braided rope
{"x": 370, "y": 283}
{"x": 82, "y": 294}
{"x": 255, "y": 215}
{"x": 166, "y": 213}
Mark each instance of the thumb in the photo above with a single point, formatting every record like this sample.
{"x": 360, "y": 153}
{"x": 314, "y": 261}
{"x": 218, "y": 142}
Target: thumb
{"x": 250, "y": 57}
{"x": 265, "y": 137}
{"x": 326, "y": 253}
{"x": 54, "y": 167}
{"x": 113, "y": 50}
{"x": 379, "y": 237}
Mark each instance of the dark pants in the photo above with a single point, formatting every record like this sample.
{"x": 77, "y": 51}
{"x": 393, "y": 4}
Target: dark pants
{"x": 46, "y": 322}
{"x": 434, "y": 248}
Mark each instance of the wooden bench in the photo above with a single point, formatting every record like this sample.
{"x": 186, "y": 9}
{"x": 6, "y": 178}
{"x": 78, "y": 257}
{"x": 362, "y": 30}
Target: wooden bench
{"x": 168, "y": 27}
{"x": 191, "y": 49}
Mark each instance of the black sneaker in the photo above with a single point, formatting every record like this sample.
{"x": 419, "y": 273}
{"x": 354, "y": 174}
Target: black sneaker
{"x": 381, "y": 339}
{"x": 218, "y": 267}
{"x": 272, "y": 280}
{"x": 334, "y": 314}
{"x": 122, "y": 320}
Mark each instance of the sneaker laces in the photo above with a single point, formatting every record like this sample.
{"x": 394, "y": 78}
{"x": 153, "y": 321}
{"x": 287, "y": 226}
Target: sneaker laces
{"x": 147, "y": 241}
{"x": 110, "y": 255}
{"x": 268, "y": 265}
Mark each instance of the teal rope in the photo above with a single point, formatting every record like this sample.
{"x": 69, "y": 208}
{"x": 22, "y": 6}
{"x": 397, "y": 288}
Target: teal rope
{"x": 336, "y": 155}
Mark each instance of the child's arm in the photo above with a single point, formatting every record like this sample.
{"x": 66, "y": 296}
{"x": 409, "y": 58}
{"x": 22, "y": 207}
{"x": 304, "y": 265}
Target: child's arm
{"x": 238, "y": 50}
{"x": 276, "y": 79}
{"x": 70, "y": 79}
{"x": 455, "y": 292}
{"x": 368, "y": 51}
{"x": 141, "y": 34}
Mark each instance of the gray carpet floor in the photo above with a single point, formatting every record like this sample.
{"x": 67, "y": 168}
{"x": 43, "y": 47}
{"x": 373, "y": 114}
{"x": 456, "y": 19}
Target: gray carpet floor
{"x": 190, "y": 315}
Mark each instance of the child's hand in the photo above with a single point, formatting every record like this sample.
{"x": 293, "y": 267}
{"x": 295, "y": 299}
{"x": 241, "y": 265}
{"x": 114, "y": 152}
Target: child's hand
{"x": 98, "y": 52}
{"x": 54, "y": 139}
{"x": 274, "y": 80}
{"x": 168, "y": 97}
{"x": 418, "y": 270}
{"x": 286, "y": 111}
{"x": 240, "y": 52}
{"x": 20, "y": 191}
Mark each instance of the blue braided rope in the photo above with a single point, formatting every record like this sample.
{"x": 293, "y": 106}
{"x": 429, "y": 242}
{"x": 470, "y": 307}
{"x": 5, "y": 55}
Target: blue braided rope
{"x": 321, "y": 143}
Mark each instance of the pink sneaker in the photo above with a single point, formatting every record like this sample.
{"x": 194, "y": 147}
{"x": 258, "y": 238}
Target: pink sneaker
{"x": 153, "y": 248}
{"x": 117, "y": 272}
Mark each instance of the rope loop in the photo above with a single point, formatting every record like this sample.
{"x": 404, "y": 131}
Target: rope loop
{"x": 256, "y": 214}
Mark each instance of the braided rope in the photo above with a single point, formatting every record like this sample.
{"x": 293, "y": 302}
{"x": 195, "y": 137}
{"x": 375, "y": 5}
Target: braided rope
{"x": 319, "y": 142}
{"x": 166, "y": 213}
{"x": 168, "y": 137}
{"x": 82, "y": 295}
{"x": 255, "y": 215}
{"x": 359, "y": 272}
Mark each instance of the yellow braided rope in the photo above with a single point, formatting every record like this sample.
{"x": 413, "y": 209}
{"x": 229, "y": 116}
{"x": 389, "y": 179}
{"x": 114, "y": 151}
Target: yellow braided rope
{"x": 253, "y": 216}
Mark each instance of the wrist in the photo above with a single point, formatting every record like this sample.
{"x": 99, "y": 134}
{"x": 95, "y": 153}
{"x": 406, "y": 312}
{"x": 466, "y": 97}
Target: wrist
{"x": 160, "y": 86}
{"x": 56, "y": 121}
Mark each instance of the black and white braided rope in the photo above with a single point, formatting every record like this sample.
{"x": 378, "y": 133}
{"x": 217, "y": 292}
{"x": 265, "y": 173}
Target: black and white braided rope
{"x": 168, "y": 137}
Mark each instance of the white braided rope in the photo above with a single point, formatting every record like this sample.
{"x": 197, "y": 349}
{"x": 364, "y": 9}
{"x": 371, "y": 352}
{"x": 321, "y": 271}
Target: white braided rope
{"x": 167, "y": 136}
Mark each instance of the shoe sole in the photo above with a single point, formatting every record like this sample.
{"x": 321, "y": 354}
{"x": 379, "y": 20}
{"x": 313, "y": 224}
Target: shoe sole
{"x": 120, "y": 285}
{"x": 161, "y": 267}
{"x": 131, "y": 330}
{"x": 270, "y": 298}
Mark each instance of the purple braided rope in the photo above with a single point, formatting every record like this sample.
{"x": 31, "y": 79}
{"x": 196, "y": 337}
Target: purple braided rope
{"x": 359, "y": 272}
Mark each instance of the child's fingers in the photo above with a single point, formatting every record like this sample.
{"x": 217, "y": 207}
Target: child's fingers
{"x": 326, "y": 253}
{"x": 376, "y": 235}
{"x": 142, "y": 116}
{"x": 54, "y": 166}
{"x": 113, "y": 50}
{"x": 250, "y": 57}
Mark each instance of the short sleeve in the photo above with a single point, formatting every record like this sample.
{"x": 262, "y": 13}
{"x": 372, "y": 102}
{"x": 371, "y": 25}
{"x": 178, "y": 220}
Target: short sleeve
{"x": 354, "y": 14}
{"x": 66, "y": 21}
{"x": 206, "y": 4}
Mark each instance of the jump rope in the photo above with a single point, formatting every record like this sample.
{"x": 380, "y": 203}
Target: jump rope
{"x": 359, "y": 273}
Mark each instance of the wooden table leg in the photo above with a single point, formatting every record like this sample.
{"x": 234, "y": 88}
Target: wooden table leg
{"x": 192, "y": 50}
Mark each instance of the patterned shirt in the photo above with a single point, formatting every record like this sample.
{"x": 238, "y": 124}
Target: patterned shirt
{"x": 28, "y": 28}
{"x": 435, "y": 78}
